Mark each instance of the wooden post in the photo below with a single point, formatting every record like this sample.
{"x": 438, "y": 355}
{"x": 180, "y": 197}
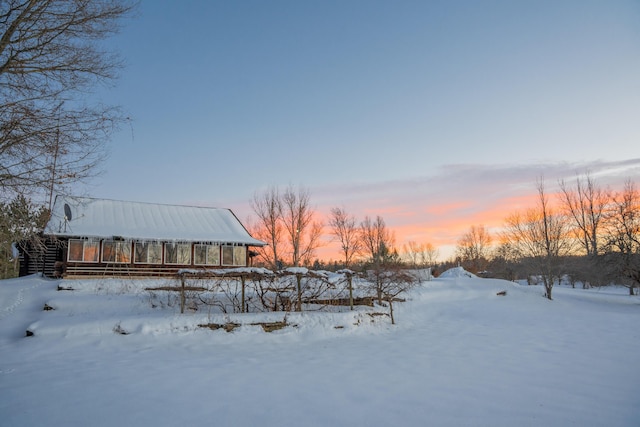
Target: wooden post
{"x": 299, "y": 280}
{"x": 349, "y": 281}
{"x": 350, "y": 290}
{"x": 182, "y": 295}
{"x": 242, "y": 282}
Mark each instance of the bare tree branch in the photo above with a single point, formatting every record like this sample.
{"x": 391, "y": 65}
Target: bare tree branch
{"x": 586, "y": 203}
{"x": 49, "y": 58}
{"x": 474, "y": 247}
{"x": 540, "y": 235}
{"x": 344, "y": 228}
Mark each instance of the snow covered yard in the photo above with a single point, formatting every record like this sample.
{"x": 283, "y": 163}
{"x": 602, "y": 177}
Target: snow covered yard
{"x": 459, "y": 355}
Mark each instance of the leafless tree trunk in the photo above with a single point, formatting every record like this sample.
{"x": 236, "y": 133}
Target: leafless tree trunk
{"x": 50, "y": 57}
{"x": 287, "y": 222}
{"x": 393, "y": 283}
{"x": 377, "y": 244}
{"x": 376, "y": 238}
{"x": 586, "y": 204}
{"x": 268, "y": 208}
{"x": 345, "y": 230}
{"x": 541, "y": 235}
{"x": 623, "y": 234}
{"x": 303, "y": 231}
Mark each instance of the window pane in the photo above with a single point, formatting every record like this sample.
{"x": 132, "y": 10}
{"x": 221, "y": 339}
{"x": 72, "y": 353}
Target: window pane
{"x": 108, "y": 251}
{"x": 200, "y": 254}
{"x": 171, "y": 253}
{"x": 141, "y": 250}
{"x": 148, "y": 253}
{"x": 75, "y": 250}
{"x": 124, "y": 252}
{"x": 213, "y": 255}
{"x": 227, "y": 255}
{"x": 184, "y": 254}
{"x": 91, "y": 251}
{"x": 239, "y": 255}
{"x": 116, "y": 252}
{"x": 155, "y": 253}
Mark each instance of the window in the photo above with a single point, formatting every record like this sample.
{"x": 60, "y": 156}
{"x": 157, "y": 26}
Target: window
{"x": 177, "y": 253}
{"x": 83, "y": 250}
{"x": 118, "y": 252}
{"x": 227, "y": 255}
{"x": 234, "y": 255}
{"x": 240, "y": 255}
{"x": 148, "y": 253}
{"x": 207, "y": 254}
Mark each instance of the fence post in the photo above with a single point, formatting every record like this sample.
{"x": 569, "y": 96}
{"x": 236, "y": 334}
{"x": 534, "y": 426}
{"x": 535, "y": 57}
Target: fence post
{"x": 299, "y": 280}
{"x": 349, "y": 279}
{"x": 182, "y": 295}
{"x": 242, "y": 282}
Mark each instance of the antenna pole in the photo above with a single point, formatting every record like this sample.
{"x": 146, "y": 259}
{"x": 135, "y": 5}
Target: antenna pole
{"x": 55, "y": 164}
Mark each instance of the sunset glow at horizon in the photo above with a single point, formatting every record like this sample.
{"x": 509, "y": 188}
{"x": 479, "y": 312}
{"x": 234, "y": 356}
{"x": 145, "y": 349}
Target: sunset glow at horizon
{"x": 442, "y": 232}
{"x": 445, "y": 216}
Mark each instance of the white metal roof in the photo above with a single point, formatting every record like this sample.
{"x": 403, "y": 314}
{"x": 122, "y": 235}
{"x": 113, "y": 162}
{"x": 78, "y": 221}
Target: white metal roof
{"x": 87, "y": 217}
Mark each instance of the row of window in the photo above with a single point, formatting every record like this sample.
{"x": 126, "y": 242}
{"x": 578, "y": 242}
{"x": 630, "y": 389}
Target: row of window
{"x": 152, "y": 253}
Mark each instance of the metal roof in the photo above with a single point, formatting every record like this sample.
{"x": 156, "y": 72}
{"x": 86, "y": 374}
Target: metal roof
{"x": 103, "y": 218}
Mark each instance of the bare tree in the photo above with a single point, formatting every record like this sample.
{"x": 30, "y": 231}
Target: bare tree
{"x": 474, "y": 248}
{"x": 394, "y": 282}
{"x": 377, "y": 244}
{"x": 504, "y": 262}
{"x": 287, "y": 222}
{"x": 586, "y": 204}
{"x": 429, "y": 254}
{"x": 345, "y": 230}
{"x": 377, "y": 240}
{"x": 541, "y": 235}
{"x": 411, "y": 253}
{"x": 302, "y": 229}
{"x": 420, "y": 254}
{"x": 268, "y": 208}
{"x": 50, "y": 57}
{"x": 623, "y": 235}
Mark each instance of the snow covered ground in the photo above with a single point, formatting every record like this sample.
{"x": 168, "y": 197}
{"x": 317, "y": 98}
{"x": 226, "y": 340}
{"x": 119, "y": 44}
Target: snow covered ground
{"x": 460, "y": 355}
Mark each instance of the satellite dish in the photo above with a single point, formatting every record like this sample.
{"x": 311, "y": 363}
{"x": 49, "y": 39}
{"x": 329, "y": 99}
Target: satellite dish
{"x": 67, "y": 212}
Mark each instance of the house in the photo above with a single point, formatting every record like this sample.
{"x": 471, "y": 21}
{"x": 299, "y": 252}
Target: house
{"x": 98, "y": 237}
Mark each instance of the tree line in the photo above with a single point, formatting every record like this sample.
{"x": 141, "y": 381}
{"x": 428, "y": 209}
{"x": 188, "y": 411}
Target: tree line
{"x": 586, "y": 233}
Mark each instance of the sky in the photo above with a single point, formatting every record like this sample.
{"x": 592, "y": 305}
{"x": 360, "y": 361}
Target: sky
{"x": 436, "y": 115}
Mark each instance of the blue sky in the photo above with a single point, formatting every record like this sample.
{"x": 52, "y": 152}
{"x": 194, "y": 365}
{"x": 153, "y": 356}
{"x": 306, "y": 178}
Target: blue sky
{"x": 377, "y": 106}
